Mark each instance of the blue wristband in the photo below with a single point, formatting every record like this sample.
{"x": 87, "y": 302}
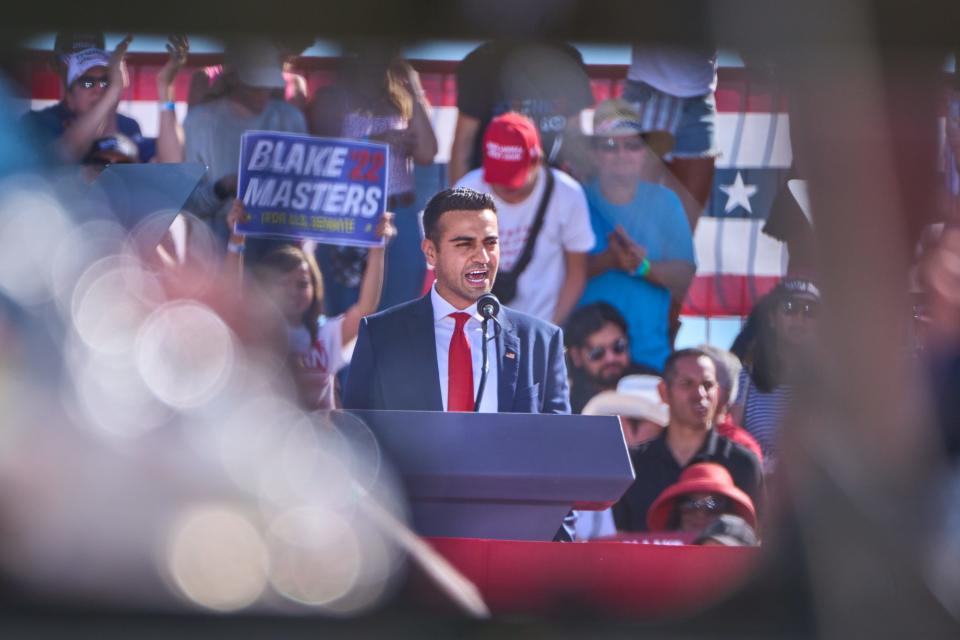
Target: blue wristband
{"x": 169, "y": 105}
{"x": 643, "y": 269}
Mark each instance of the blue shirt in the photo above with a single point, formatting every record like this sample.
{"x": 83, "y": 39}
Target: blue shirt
{"x": 655, "y": 220}
{"x": 47, "y": 125}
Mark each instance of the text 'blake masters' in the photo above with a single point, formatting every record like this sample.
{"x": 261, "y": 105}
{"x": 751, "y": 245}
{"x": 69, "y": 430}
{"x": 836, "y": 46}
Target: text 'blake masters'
{"x": 327, "y": 189}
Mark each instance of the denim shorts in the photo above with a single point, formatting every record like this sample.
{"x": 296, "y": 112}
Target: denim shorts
{"x": 691, "y": 121}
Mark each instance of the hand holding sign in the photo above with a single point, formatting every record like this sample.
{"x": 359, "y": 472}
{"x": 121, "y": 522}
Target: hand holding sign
{"x": 386, "y": 229}
{"x": 330, "y": 190}
{"x": 235, "y": 217}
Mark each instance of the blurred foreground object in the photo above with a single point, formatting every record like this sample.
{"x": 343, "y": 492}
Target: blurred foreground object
{"x": 152, "y": 456}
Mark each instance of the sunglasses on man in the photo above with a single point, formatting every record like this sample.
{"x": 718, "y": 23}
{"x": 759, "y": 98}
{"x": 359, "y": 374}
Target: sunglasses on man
{"x": 611, "y": 145}
{"x": 89, "y": 82}
{"x": 596, "y": 354}
{"x": 807, "y": 308}
{"x": 710, "y": 504}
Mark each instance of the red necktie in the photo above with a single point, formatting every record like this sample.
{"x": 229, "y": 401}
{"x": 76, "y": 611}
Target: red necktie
{"x": 459, "y": 368}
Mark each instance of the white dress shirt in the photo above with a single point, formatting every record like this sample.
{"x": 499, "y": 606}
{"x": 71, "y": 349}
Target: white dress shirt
{"x": 443, "y": 326}
{"x": 595, "y": 524}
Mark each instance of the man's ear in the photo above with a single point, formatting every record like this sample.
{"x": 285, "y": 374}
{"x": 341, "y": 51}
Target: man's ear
{"x": 430, "y": 251}
{"x": 576, "y": 356}
{"x": 662, "y": 389}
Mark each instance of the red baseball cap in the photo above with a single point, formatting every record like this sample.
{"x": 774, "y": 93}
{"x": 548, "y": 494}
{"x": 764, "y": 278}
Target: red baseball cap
{"x": 511, "y": 145}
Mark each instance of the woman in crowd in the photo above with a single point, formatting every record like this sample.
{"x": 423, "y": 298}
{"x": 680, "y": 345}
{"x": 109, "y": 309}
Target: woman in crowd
{"x": 378, "y": 97}
{"x": 319, "y": 345}
{"x": 772, "y": 346}
{"x": 704, "y": 492}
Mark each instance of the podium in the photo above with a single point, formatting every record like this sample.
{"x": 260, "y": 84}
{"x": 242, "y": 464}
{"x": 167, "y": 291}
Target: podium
{"x": 502, "y": 476}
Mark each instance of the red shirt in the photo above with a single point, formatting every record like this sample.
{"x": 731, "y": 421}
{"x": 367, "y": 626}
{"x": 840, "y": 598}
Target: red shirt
{"x": 732, "y": 431}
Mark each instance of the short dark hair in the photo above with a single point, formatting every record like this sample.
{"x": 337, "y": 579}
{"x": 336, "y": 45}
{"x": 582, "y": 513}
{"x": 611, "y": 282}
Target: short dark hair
{"x": 458, "y": 199}
{"x": 589, "y": 319}
{"x": 670, "y": 366}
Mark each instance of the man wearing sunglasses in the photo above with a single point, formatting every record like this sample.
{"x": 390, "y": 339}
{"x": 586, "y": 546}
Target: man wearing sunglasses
{"x": 92, "y": 84}
{"x": 599, "y": 352}
{"x": 644, "y": 252}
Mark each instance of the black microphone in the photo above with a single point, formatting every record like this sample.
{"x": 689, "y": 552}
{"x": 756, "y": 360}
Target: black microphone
{"x": 488, "y": 306}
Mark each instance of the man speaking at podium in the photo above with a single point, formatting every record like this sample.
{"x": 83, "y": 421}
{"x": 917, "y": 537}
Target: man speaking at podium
{"x": 427, "y": 354}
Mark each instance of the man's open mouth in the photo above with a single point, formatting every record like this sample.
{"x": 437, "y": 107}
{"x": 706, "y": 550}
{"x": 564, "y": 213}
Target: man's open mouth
{"x": 477, "y": 276}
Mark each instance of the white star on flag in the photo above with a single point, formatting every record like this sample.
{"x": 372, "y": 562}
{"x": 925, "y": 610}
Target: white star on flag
{"x": 738, "y": 194}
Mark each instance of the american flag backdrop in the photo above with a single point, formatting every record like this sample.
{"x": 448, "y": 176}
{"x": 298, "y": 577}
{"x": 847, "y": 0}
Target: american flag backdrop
{"x": 737, "y": 263}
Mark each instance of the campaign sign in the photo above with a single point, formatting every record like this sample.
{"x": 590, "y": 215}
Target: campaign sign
{"x": 330, "y": 190}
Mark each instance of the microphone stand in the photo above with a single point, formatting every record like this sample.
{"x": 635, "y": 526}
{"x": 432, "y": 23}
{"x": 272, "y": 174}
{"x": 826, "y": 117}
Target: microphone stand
{"x": 485, "y": 367}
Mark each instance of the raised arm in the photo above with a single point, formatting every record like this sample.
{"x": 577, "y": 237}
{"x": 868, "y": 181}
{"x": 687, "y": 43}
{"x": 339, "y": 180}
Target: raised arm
{"x": 169, "y": 131}
{"x": 233, "y": 261}
{"x": 424, "y": 139}
{"x": 372, "y": 284}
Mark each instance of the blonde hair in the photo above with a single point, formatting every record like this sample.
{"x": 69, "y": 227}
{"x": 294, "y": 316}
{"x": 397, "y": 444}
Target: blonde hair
{"x": 379, "y": 81}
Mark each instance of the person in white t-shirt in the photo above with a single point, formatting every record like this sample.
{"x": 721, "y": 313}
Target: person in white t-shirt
{"x": 553, "y": 278}
{"x": 319, "y": 346}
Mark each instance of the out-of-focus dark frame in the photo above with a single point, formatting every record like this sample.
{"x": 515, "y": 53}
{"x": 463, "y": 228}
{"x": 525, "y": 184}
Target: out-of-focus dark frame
{"x": 864, "y": 80}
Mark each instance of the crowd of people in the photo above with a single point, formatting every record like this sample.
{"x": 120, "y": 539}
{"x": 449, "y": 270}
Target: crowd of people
{"x": 595, "y": 234}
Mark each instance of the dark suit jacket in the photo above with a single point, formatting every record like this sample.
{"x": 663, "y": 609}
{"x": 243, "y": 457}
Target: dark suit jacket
{"x": 394, "y": 364}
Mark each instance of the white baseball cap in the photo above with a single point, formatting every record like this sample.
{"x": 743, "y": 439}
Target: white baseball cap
{"x": 80, "y": 62}
{"x": 256, "y": 62}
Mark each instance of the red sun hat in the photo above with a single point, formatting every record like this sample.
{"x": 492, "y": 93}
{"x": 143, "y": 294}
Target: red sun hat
{"x": 511, "y": 145}
{"x": 703, "y": 477}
